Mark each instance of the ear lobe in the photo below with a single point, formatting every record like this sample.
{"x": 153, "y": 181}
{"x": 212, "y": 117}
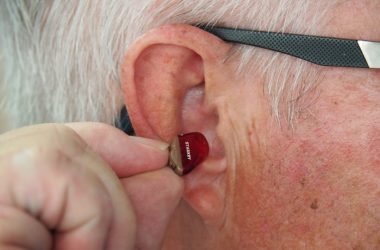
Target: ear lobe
{"x": 205, "y": 191}
{"x": 168, "y": 91}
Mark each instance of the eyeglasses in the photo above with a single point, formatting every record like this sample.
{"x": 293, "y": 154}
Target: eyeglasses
{"x": 326, "y": 51}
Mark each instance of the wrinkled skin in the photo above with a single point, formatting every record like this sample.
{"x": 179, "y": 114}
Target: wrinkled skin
{"x": 317, "y": 186}
{"x": 312, "y": 186}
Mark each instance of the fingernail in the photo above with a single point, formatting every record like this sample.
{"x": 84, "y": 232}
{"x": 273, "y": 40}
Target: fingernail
{"x": 150, "y": 142}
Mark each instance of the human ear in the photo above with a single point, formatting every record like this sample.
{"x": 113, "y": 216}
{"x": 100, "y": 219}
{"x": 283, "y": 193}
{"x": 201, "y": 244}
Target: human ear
{"x": 171, "y": 77}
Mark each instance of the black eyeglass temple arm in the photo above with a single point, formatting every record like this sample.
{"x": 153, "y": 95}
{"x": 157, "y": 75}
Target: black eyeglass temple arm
{"x": 324, "y": 51}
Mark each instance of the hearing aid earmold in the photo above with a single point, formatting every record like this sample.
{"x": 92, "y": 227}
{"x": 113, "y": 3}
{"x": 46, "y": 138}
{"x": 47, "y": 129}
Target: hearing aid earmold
{"x": 187, "y": 151}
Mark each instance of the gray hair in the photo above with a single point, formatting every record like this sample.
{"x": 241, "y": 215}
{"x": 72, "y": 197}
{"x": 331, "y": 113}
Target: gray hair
{"x": 61, "y": 58}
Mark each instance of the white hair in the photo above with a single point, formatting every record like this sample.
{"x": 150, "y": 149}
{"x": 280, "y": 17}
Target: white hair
{"x": 61, "y": 58}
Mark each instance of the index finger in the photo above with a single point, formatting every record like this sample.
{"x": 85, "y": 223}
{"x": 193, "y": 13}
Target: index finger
{"x": 126, "y": 155}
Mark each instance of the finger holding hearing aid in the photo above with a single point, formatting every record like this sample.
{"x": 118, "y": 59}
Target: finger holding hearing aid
{"x": 89, "y": 186}
{"x": 127, "y": 155}
{"x": 183, "y": 154}
{"x": 154, "y": 190}
{"x": 151, "y": 179}
{"x": 156, "y": 200}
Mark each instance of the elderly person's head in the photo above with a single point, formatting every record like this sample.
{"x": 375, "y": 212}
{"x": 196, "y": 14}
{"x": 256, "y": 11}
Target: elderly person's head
{"x": 294, "y": 146}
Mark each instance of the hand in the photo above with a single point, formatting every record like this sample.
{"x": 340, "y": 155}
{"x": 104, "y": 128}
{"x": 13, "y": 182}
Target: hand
{"x": 83, "y": 186}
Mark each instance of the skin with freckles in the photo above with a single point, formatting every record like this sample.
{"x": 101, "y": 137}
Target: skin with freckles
{"x": 312, "y": 185}
{"x": 317, "y": 186}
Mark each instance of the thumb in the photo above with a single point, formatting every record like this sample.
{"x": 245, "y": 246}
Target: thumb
{"x": 155, "y": 196}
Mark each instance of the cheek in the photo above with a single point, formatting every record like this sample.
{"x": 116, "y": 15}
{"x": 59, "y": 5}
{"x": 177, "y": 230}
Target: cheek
{"x": 347, "y": 137}
{"x": 316, "y": 180}
{"x": 374, "y": 150}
